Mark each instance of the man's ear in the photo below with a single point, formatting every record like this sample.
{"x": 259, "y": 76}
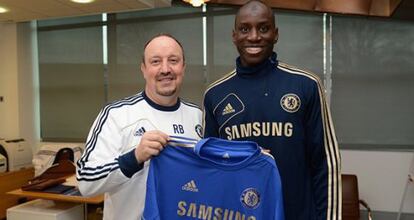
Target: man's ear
{"x": 233, "y": 36}
{"x": 276, "y": 35}
{"x": 142, "y": 69}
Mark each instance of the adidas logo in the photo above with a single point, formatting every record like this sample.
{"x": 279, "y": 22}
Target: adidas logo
{"x": 190, "y": 186}
{"x": 140, "y": 132}
{"x": 228, "y": 109}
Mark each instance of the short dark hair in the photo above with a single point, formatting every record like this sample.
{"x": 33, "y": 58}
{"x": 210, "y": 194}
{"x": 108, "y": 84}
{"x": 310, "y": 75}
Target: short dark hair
{"x": 162, "y": 35}
{"x": 258, "y": 1}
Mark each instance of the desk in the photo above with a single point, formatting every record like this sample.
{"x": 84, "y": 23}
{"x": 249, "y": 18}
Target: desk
{"x": 60, "y": 197}
{"x": 9, "y": 181}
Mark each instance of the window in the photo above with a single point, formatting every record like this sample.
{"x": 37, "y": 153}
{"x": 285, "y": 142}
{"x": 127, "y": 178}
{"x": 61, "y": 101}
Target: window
{"x": 71, "y": 81}
{"x": 372, "y": 82}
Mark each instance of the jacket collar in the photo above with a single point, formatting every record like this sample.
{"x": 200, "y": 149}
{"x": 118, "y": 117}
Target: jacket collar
{"x": 257, "y": 70}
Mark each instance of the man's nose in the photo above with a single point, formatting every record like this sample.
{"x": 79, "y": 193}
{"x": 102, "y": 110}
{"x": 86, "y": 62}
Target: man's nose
{"x": 254, "y": 35}
{"x": 165, "y": 67}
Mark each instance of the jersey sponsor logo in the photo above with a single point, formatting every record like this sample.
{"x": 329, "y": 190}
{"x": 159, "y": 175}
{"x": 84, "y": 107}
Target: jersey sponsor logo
{"x": 202, "y": 211}
{"x": 257, "y": 129}
{"x": 199, "y": 130}
{"x": 140, "y": 131}
{"x": 290, "y": 102}
{"x": 228, "y": 109}
{"x": 190, "y": 186}
{"x": 250, "y": 198}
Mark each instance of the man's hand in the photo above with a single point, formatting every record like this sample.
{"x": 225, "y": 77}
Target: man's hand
{"x": 152, "y": 143}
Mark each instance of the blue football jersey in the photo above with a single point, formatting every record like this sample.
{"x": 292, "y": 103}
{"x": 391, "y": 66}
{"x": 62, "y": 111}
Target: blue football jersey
{"x": 215, "y": 179}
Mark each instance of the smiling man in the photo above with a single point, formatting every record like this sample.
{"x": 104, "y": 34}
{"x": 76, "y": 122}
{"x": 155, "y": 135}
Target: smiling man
{"x": 163, "y": 67}
{"x": 129, "y": 132}
{"x": 283, "y": 109}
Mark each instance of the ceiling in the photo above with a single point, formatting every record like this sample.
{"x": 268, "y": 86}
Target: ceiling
{"x": 26, "y": 10}
{"x": 405, "y": 10}
{"x": 395, "y": 9}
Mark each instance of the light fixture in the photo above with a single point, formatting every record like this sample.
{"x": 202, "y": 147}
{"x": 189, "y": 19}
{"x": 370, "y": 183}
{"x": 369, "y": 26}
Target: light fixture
{"x": 3, "y": 10}
{"x": 82, "y": 1}
{"x": 196, "y": 3}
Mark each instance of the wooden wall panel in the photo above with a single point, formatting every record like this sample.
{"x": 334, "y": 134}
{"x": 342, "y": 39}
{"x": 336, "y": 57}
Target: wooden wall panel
{"x": 344, "y": 6}
{"x": 306, "y": 5}
{"x": 10, "y": 181}
{"x": 360, "y": 7}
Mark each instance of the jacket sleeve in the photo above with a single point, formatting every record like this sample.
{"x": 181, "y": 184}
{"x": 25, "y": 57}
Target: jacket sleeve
{"x": 209, "y": 122}
{"x": 102, "y": 167}
{"x": 324, "y": 156}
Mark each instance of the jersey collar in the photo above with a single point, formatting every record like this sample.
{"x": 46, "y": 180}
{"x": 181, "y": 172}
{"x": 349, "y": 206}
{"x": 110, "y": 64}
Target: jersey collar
{"x": 213, "y": 151}
{"x": 161, "y": 107}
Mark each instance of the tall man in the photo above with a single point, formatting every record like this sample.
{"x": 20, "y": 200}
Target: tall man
{"x": 284, "y": 110}
{"x": 127, "y": 133}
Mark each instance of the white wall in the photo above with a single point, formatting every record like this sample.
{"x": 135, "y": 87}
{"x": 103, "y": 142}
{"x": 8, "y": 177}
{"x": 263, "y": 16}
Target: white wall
{"x": 19, "y": 112}
{"x": 28, "y": 83}
{"x": 9, "y": 109}
{"x": 382, "y": 177}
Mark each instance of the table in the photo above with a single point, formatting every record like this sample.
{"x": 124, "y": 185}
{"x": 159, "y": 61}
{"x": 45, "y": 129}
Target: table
{"x": 58, "y": 197}
{"x": 61, "y": 197}
{"x": 9, "y": 181}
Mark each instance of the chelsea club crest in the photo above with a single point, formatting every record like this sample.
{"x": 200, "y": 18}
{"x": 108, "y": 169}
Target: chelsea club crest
{"x": 250, "y": 198}
{"x": 290, "y": 102}
{"x": 199, "y": 130}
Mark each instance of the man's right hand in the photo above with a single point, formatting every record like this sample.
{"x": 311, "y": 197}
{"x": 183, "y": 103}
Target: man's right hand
{"x": 151, "y": 144}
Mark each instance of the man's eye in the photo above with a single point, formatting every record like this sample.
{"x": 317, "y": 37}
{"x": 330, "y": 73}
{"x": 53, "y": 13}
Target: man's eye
{"x": 173, "y": 61}
{"x": 264, "y": 29}
{"x": 244, "y": 29}
{"x": 155, "y": 62}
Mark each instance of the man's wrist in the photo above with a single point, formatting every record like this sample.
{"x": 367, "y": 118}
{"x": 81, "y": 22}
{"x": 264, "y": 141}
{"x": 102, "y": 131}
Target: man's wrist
{"x": 129, "y": 164}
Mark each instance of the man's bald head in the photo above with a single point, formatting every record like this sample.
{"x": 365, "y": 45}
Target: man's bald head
{"x": 254, "y": 5}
